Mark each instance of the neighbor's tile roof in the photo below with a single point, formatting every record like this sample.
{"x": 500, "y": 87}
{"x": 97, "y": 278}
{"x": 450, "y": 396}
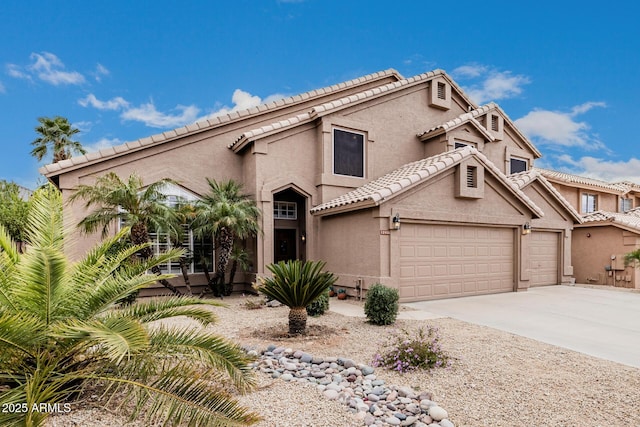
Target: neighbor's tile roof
{"x": 337, "y": 104}
{"x": 624, "y": 220}
{"x": 581, "y": 180}
{"x": 387, "y": 186}
{"x": 56, "y": 168}
{"x": 523, "y": 179}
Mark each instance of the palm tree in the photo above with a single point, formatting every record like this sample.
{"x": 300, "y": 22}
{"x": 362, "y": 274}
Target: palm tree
{"x": 239, "y": 258}
{"x": 129, "y": 202}
{"x": 296, "y": 285}
{"x": 60, "y": 331}
{"x": 181, "y": 220}
{"x": 55, "y": 135}
{"x": 226, "y": 214}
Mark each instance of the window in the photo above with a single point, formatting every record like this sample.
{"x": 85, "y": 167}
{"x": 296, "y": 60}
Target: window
{"x": 589, "y": 202}
{"x": 472, "y": 177}
{"x": 348, "y": 153}
{"x": 459, "y": 144}
{"x": 285, "y": 210}
{"x": 517, "y": 165}
{"x": 626, "y": 205}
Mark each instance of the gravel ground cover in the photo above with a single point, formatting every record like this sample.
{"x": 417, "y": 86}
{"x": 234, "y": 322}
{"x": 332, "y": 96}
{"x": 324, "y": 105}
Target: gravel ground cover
{"x": 497, "y": 378}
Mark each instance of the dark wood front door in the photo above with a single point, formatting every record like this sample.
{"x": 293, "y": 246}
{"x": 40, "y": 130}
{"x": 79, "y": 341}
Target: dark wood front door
{"x": 284, "y": 244}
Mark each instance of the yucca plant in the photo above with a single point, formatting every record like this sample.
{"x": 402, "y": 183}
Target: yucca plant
{"x": 296, "y": 284}
{"x": 61, "y": 330}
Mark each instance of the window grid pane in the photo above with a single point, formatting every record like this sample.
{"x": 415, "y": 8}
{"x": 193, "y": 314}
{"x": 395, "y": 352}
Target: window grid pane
{"x": 285, "y": 210}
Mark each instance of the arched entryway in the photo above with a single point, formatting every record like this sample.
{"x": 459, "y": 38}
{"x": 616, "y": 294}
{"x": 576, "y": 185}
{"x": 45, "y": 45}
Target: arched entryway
{"x": 289, "y": 225}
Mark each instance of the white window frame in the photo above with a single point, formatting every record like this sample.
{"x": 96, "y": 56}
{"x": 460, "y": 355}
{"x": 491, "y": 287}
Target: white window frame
{"x": 333, "y": 151}
{"x": 285, "y": 210}
{"x": 587, "y": 207}
{"x": 626, "y": 201}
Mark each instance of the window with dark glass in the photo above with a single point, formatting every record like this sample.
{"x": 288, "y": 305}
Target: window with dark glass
{"x": 348, "y": 153}
{"x": 518, "y": 165}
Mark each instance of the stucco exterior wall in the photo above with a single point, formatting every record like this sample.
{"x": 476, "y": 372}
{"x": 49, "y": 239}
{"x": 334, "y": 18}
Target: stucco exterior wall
{"x": 593, "y": 247}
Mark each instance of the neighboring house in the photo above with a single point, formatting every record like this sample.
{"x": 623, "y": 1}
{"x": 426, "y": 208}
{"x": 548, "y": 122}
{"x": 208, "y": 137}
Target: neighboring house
{"x": 610, "y": 228}
{"x": 392, "y": 180}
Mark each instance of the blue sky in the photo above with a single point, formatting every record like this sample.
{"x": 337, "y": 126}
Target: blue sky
{"x": 567, "y": 73}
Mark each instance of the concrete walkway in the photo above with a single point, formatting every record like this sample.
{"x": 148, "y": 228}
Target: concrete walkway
{"x": 600, "y": 322}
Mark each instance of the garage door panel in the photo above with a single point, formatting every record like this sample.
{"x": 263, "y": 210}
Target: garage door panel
{"x": 455, "y": 261}
{"x": 543, "y": 258}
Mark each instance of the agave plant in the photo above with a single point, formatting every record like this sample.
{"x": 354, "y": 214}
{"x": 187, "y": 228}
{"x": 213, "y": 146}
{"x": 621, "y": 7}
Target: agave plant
{"x": 296, "y": 285}
{"x": 60, "y": 330}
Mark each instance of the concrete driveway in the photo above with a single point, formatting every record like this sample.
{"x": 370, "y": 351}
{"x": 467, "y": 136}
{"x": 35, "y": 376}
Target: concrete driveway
{"x": 599, "y": 322}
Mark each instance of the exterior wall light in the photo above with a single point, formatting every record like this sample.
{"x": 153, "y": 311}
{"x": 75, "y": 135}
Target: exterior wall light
{"x": 396, "y": 222}
{"x": 526, "y": 228}
{"x": 303, "y": 237}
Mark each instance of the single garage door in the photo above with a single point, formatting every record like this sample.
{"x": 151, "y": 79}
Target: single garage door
{"x": 442, "y": 261}
{"x": 543, "y": 264}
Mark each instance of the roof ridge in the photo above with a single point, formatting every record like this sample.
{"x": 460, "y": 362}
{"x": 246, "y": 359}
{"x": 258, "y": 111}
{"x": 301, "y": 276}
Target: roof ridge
{"x": 579, "y": 179}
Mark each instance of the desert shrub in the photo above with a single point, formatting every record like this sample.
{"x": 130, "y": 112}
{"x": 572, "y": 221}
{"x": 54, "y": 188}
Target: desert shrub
{"x": 405, "y": 351}
{"x": 381, "y": 305}
{"x": 319, "y": 305}
{"x": 254, "y": 303}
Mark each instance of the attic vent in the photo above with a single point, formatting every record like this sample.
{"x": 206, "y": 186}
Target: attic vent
{"x": 472, "y": 177}
{"x": 442, "y": 91}
{"x": 494, "y": 123}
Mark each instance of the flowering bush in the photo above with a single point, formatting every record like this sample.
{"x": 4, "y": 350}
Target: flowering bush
{"x": 406, "y": 351}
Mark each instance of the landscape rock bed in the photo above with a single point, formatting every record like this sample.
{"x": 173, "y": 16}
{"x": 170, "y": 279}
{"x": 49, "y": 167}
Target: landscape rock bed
{"x": 356, "y": 386}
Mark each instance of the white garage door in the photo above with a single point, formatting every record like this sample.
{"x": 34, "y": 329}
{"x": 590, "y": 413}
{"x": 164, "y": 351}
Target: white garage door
{"x": 442, "y": 261}
{"x": 543, "y": 263}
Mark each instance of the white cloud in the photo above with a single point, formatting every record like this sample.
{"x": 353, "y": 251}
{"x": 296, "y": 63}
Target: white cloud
{"x": 489, "y": 84}
{"x": 469, "y": 71}
{"x": 606, "y": 170}
{"x": 83, "y": 126}
{"x": 560, "y": 128}
{"x": 101, "y": 70}
{"x": 243, "y": 100}
{"x": 112, "y": 104}
{"x": 15, "y": 71}
{"x": 103, "y": 143}
{"x": 147, "y": 114}
{"x": 49, "y": 68}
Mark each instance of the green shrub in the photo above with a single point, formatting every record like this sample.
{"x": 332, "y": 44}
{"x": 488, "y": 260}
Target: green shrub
{"x": 319, "y": 305}
{"x": 405, "y": 351}
{"x": 381, "y": 305}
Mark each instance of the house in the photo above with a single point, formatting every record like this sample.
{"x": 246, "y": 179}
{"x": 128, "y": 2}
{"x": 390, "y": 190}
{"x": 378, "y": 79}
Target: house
{"x": 610, "y": 227}
{"x": 402, "y": 181}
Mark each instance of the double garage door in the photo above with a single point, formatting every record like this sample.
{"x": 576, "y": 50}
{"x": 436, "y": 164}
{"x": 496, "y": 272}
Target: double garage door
{"x": 442, "y": 261}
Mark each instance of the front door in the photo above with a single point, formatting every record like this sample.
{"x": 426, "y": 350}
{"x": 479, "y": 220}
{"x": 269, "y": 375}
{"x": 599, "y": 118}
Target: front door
{"x": 284, "y": 244}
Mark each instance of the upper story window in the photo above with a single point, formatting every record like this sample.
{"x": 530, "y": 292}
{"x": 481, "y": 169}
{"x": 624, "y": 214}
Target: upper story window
{"x": 517, "y": 165}
{"x": 457, "y": 145}
{"x": 626, "y": 205}
{"x": 285, "y": 210}
{"x": 588, "y": 202}
{"x": 348, "y": 153}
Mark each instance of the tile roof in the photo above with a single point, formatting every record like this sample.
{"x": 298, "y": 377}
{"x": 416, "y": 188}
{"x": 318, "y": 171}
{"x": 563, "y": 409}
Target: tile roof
{"x": 338, "y": 104}
{"x": 405, "y": 177}
{"x": 555, "y": 176}
{"x": 452, "y": 124}
{"x": 56, "y": 168}
{"x": 523, "y": 179}
{"x": 623, "y": 220}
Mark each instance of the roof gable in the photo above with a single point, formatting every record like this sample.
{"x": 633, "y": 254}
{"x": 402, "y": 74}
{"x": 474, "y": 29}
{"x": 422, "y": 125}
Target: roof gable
{"x": 526, "y": 178}
{"x": 459, "y": 121}
{"x": 213, "y": 122}
{"x": 410, "y": 175}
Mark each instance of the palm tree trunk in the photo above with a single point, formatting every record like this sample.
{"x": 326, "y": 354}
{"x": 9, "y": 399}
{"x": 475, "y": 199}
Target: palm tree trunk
{"x": 226, "y": 245}
{"x": 232, "y": 274}
{"x": 297, "y": 320}
{"x": 185, "y": 275}
{"x": 140, "y": 235}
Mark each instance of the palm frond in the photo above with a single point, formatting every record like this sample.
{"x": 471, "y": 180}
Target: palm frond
{"x": 216, "y": 352}
{"x": 17, "y": 335}
{"x": 167, "y": 307}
